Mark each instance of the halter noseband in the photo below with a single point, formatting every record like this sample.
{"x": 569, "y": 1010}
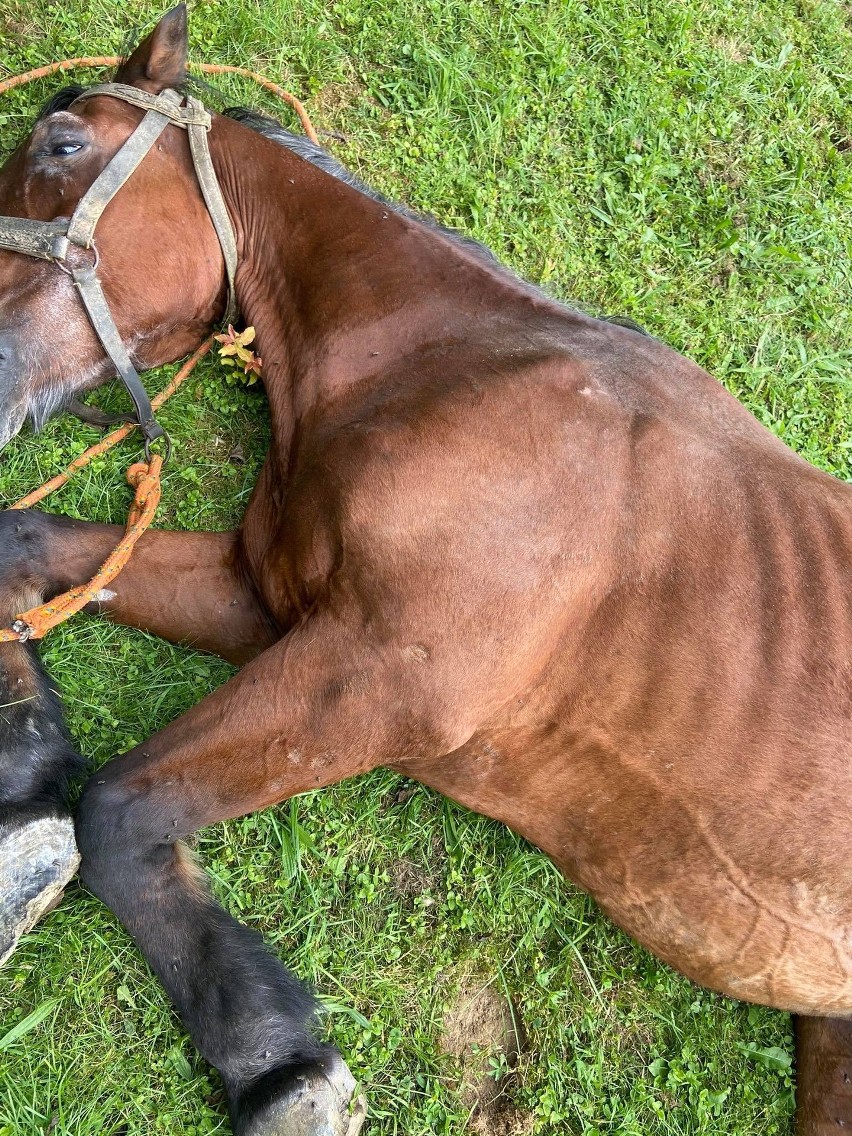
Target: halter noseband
{"x": 52, "y": 240}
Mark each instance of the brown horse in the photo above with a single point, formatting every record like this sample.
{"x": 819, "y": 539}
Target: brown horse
{"x": 537, "y": 561}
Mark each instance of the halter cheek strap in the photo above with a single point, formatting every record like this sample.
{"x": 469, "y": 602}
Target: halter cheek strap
{"x": 52, "y": 240}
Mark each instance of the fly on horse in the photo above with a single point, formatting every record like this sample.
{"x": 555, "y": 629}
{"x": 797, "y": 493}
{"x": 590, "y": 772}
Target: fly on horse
{"x": 539, "y": 562}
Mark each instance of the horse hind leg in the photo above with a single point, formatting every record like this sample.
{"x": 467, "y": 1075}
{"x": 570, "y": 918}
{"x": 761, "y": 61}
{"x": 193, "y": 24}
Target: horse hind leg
{"x": 823, "y": 1076}
{"x": 38, "y": 855}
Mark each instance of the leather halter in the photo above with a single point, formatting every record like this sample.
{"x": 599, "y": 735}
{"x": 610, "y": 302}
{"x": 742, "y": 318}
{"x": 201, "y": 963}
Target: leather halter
{"x": 52, "y": 240}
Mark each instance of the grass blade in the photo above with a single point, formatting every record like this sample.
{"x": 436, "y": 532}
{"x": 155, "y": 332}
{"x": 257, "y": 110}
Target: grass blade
{"x": 29, "y": 1023}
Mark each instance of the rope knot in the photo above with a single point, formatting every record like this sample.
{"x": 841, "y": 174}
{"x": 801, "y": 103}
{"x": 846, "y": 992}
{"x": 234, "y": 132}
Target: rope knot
{"x": 137, "y": 473}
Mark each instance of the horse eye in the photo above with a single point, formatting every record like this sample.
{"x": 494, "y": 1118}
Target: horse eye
{"x": 66, "y": 149}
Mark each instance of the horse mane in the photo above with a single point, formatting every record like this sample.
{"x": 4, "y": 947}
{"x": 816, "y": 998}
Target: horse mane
{"x": 303, "y": 147}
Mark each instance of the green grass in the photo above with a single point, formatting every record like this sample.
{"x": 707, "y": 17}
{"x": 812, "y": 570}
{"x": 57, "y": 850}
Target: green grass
{"x": 684, "y": 162}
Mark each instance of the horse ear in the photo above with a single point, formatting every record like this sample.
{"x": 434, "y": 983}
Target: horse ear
{"x": 160, "y": 60}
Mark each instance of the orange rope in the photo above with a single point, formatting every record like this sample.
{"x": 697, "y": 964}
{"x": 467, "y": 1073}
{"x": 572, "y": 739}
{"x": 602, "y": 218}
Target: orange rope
{"x": 206, "y": 68}
{"x": 115, "y": 437}
{"x": 35, "y": 623}
{"x": 291, "y": 100}
{"x": 52, "y": 68}
{"x": 143, "y": 477}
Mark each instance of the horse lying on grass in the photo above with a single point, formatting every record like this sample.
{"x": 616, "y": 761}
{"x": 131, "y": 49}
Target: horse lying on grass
{"x": 537, "y": 561}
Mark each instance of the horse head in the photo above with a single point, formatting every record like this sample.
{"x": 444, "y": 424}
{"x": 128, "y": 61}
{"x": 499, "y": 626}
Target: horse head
{"x": 158, "y": 258}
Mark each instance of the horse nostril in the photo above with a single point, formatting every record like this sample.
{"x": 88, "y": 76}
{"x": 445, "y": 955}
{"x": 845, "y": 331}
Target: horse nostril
{"x": 6, "y": 352}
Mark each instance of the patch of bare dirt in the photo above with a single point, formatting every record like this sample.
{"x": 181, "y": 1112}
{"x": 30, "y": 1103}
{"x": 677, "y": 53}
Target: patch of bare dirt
{"x": 412, "y": 878}
{"x": 730, "y": 49}
{"x": 722, "y": 163}
{"x": 337, "y": 109}
{"x": 502, "y": 1119}
{"x": 481, "y": 1028}
{"x": 331, "y": 103}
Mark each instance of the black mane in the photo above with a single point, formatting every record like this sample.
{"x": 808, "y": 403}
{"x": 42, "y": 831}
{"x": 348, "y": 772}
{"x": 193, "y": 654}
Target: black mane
{"x": 317, "y": 156}
{"x": 311, "y": 152}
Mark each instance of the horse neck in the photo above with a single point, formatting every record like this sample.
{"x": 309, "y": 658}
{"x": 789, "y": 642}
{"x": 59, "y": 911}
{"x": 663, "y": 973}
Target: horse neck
{"x": 334, "y": 281}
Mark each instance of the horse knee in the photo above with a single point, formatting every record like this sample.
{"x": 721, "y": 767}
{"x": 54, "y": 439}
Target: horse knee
{"x": 34, "y": 550}
{"x": 114, "y": 826}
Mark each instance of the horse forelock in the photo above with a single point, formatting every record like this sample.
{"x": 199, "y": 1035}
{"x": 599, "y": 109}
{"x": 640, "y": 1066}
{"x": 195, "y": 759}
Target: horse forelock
{"x": 62, "y": 100}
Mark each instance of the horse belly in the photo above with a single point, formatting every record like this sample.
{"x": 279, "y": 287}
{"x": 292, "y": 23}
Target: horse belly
{"x": 783, "y": 942}
{"x": 742, "y": 885}
{"x": 745, "y": 890}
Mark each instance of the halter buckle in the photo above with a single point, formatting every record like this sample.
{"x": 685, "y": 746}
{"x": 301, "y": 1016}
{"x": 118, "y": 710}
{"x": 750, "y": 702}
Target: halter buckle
{"x": 64, "y": 245}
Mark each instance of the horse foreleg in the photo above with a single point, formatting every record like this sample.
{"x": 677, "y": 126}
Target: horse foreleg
{"x": 183, "y": 587}
{"x": 319, "y": 706}
{"x": 823, "y": 1076}
{"x": 37, "y": 761}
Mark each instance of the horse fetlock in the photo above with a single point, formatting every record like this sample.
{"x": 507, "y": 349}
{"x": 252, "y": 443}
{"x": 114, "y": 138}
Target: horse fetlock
{"x": 37, "y": 759}
{"x": 316, "y": 1099}
{"x": 22, "y": 548}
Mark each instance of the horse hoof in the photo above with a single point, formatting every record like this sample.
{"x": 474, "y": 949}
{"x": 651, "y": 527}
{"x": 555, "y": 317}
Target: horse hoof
{"x": 37, "y": 859}
{"x": 320, "y": 1101}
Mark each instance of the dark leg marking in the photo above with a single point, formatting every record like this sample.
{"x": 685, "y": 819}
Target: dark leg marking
{"x": 38, "y": 855}
{"x": 823, "y": 1076}
{"x": 247, "y": 1014}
